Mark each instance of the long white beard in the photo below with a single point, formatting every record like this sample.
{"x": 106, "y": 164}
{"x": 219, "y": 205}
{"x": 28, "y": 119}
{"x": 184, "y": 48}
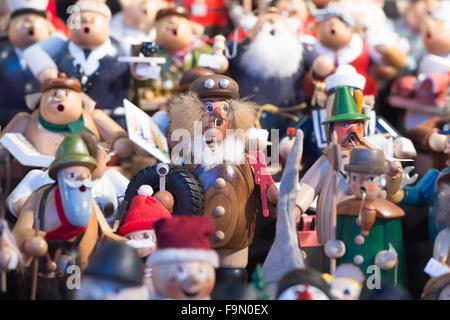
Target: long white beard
{"x": 230, "y": 150}
{"x": 276, "y": 55}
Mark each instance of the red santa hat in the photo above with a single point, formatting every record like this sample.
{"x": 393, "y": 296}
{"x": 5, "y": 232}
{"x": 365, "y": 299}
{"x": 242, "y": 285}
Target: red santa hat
{"x": 184, "y": 239}
{"x": 144, "y": 211}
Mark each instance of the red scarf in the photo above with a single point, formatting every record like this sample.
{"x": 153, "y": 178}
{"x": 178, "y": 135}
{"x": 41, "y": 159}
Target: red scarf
{"x": 65, "y": 231}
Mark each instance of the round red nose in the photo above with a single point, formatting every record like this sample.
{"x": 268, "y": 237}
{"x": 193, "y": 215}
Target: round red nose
{"x": 82, "y": 188}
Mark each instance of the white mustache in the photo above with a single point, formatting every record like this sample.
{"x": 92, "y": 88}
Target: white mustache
{"x": 76, "y": 184}
{"x": 138, "y": 244}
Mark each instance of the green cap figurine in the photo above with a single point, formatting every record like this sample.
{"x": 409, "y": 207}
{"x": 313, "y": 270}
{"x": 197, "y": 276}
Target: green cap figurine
{"x": 73, "y": 151}
{"x": 344, "y": 108}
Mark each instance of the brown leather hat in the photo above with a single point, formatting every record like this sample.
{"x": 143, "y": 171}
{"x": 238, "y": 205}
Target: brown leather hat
{"x": 191, "y": 76}
{"x": 173, "y": 11}
{"x": 369, "y": 161}
{"x": 62, "y": 82}
{"x": 215, "y": 86}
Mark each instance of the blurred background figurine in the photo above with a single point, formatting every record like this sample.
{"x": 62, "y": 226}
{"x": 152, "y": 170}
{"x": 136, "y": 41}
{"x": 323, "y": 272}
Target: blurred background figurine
{"x": 134, "y": 24}
{"x": 90, "y": 55}
{"x": 28, "y": 24}
{"x": 114, "y": 273}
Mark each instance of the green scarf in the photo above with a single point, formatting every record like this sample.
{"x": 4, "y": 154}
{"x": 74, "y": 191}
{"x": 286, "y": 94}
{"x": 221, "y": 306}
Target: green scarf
{"x": 72, "y": 127}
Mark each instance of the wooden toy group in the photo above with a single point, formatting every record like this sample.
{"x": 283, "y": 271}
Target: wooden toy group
{"x": 225, "y": 150}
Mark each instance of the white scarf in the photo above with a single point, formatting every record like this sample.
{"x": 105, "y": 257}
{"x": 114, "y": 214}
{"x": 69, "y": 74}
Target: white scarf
{"x": 91, "y": 64}
{"x": 346, "y": 55}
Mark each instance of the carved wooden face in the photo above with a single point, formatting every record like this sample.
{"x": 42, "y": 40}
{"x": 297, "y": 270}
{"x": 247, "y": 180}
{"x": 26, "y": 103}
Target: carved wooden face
{"x": 174, "y": 32}
{"x": 218, "y": 115}
{"x": 144, "y": 241}
{"x": 186, "y": 280}
{"x": 27, "y": 29}
{"x": 436, "y": 37}
{"x": 334, "y": 33}
{"x": 346, "y": 129}
{"x": 61, "y": 106}
{"x": 370, "y": 184}
{"x": 93, "y": 31}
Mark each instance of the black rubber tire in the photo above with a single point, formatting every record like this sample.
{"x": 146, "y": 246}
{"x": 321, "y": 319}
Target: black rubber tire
{"x": 184, "y": 186}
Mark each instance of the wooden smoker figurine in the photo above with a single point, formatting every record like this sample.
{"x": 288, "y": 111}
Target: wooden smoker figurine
{"x": 348, "y": 124}
{"x": 218, "y": 121}
{"x": 90, "y": 55}
{"x": 63, "y": 109}
{"x": 61, "y": 221}
{"x": 369, "y": 225}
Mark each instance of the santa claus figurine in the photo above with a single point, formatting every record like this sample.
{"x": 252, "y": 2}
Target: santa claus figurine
{"x": 139, "y": 221}
{"x": 183, "y": 266}
{"x": 270, "y": 68}
{"x": 338, "y": 40}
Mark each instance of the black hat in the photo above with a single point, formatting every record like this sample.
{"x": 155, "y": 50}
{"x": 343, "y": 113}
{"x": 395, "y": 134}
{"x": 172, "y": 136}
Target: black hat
{"x": 117, "y": 262}
{"x": 309, "y": 277}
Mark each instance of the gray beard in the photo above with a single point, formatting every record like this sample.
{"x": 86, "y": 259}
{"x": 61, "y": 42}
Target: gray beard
{"x": 77, "y": 205}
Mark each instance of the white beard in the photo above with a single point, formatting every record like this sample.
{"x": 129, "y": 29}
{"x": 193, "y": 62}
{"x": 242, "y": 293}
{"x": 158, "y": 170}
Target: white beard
{"x": 276, "y": 55}
{"x": 230, "y": 150}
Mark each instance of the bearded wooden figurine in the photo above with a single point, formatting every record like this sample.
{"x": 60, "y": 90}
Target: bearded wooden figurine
{"x": 217, "y": 123}
{"x": 271, "y": 67}
{"x": 61, "y": 223}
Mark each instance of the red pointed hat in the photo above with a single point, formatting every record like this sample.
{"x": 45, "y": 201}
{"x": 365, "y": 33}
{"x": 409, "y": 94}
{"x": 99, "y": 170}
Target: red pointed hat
{"x": 183, "y": 239}
{"x": 144, "y": 211}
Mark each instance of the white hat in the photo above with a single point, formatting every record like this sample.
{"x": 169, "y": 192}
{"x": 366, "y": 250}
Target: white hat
{"x": 98, "y": 6}
{"x": 27, "y": 6}
{"x": 345, "y": 75}
{"x": 335, "y": 10}
{"x": 442, "y": 11}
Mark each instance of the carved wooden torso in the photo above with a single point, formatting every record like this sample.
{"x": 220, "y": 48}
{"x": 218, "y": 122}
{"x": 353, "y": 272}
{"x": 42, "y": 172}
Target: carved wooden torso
{"x": 47, "y": 142}
{"x": 232, "y": 203}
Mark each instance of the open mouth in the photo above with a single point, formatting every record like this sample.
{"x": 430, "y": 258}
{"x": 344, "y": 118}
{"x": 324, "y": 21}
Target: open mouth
{"x": 82, "y": 189}
{"x": 31, "y": 32}
{"x": 87, "y": 30}
{"x": 60, "y": 108}
{"x": 218, "y": 122}
{"x": 333, "y": 31}
{"x": 174, "y": 32}
{"x": 428, "y": 35}
{"x": 191, "y": 294}
{"x": 272, "y": 32}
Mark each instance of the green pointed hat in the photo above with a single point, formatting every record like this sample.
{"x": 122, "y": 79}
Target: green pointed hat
{"x": 73, "y": 151}
{"x": 344, "y": 108}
